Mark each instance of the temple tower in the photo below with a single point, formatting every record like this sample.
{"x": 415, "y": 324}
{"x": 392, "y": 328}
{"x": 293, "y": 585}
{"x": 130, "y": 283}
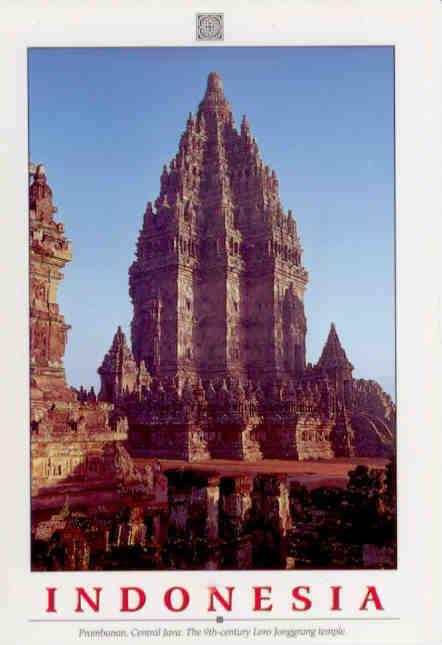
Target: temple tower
{"x": 338, "y": 368}
{"x": 220, "y": 288}
{"x": 49, "y": 251}
{"x": 217, "y": 285}
{"x": 118, "y": 371}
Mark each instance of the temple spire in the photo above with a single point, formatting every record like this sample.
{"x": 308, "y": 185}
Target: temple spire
{"x": 214, "y": 195}
{"x": 118, "y": 369}
{"x": 40, "y": 196}
{"x": 214, "y": 101}
{"x": 49, "y": 252}
{"x": 118, "y": 352}
{"x": 245, "y": 126}
{"x": 214, "y": 86}
{"x": 333, "y": 354}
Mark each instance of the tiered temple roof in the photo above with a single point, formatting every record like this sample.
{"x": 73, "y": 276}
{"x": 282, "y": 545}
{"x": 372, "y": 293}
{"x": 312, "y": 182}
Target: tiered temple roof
{"x": 333, "y": 354}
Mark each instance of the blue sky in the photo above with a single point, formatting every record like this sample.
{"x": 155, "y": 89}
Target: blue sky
{"x": 104, "y": 121}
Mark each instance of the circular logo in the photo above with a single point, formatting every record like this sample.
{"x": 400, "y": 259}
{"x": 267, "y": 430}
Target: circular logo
{"x": 210, "y": 27}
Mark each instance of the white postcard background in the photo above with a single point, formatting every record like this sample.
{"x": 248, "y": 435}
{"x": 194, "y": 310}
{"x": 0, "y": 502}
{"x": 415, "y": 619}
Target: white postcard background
{"x": 410, "y": 595}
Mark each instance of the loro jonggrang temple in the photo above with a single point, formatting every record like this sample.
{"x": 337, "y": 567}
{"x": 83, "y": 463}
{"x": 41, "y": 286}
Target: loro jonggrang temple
{"x": 215, "y": 370}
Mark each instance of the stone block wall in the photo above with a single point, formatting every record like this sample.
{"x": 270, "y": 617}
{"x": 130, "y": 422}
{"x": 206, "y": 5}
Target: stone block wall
{"x": 313, "y": 438}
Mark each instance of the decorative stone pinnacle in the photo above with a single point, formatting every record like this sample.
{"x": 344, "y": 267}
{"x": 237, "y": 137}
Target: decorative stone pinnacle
{"x": 214, "y": 83}
{"x": 40, "y": 195}
{"x": 245, "y": 125}
{"x": 214, "y": 100}
{"x": 333, "y": 354}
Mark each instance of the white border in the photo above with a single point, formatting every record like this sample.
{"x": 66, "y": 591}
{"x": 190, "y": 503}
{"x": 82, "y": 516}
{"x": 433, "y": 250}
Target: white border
{"x": 412, "y": 592}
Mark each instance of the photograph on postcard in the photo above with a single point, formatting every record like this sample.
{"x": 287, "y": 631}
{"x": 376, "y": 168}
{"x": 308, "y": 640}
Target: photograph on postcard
{"x": 212, "y": 375}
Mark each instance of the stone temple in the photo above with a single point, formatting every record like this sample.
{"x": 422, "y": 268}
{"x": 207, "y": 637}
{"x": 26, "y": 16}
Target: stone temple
{"x": 215, "y": 375}
{"x": 217, "y": 363}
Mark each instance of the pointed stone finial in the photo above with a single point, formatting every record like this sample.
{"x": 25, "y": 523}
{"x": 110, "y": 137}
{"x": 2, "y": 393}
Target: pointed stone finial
{"x": 210, "y": 392}
{"x": 118, "y": 352}
{"x": 201, "y": 122}
{"x": 239, "y": 391}
{"x": 40, "y": 196}
{"x": 291, "y": 225}
{"x": 214, "y": 101}
{"x": 333, "y": 354}
{"x": 214, "y": 83}
{"x": 148, "y": 214}
{"x": 224, "y": 392}
{"x": 245, "y": 126}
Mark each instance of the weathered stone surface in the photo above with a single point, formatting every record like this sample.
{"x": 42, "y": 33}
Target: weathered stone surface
{"x": 313, "y": 438}
{"x": 373, "y": 420}
{"x": 215, "y": 370}
{"x": 119, "y": 373}
{"x": 49, "y": 251}
{"x": 217, "y": 366}
{"x": 218, "y": 284}
{"x": 77, "y": 443}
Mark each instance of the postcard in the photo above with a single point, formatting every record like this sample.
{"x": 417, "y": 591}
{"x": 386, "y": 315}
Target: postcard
{"x": 225, "y": 333}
